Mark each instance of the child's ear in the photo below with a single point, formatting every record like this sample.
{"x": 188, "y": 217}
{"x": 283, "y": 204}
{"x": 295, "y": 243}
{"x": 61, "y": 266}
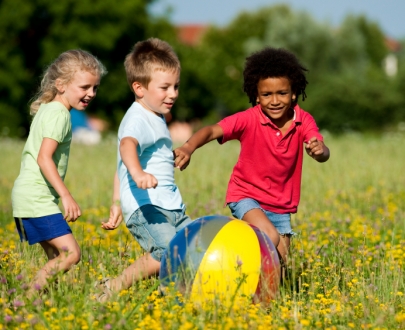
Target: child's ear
{"x": 60, "y": 86}
{"x": 293, "y": 97}
{"x": 138, "y": 89}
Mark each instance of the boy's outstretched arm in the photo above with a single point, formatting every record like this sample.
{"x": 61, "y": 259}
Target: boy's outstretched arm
{"x": 115, "y": 218}
{"x": 206, "y": 134}
{"x": 317, "y": 150}
{"x": 129, "y": 156}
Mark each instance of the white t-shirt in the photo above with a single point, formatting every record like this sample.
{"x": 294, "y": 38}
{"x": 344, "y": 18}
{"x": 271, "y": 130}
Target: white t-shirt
{"x": 155, "y": 152}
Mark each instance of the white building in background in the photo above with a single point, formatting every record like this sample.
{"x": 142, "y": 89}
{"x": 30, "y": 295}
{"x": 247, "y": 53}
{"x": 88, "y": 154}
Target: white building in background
{"x": 390, "y": 63}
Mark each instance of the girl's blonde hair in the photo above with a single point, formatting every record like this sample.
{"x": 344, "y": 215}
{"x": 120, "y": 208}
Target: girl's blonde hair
{"x": 64, "y": 68}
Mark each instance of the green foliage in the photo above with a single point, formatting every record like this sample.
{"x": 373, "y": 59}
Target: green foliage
{"x": 33, "y": 33}
{"x": 348, "y": 88}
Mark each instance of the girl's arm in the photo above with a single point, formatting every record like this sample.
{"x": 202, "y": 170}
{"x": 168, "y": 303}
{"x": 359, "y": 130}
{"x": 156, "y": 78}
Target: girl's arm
{"x": 206, "y": 134}
{"x": 115, "y": 210}
{"x": 49, "y": 170}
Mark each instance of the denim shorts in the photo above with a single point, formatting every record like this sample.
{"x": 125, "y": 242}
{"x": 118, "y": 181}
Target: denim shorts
{"x": 35, "y": 230}
{"x": 154, "y": 227}
{"x": 282, "y": 221}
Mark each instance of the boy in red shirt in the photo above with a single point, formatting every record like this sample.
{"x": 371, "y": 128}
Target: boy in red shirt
{"x": 264, "y": 188}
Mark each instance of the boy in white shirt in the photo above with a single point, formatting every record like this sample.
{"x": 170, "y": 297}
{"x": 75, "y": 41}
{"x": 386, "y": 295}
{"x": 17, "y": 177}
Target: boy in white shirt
{"x": 144, "y": 183}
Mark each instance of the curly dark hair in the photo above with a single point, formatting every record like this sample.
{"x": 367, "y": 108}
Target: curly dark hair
{"x": 273, "y": 62}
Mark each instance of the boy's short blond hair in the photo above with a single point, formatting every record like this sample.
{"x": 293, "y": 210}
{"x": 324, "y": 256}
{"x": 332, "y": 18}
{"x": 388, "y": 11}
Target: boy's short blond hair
{"x": 146, "y": 57}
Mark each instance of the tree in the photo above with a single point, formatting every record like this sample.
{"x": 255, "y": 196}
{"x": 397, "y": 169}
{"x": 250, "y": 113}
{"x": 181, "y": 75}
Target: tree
{"x": 347, "y": 89}
{"x": 33, "y": 33}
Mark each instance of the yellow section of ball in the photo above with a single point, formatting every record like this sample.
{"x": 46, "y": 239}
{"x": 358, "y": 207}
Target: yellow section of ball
{"x": 230, "y": 265}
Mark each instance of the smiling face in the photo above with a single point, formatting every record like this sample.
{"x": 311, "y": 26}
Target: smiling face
{"x": 275, "y": 98}
{"x": 161, "y": 92}
{"x": 79, "y": 91}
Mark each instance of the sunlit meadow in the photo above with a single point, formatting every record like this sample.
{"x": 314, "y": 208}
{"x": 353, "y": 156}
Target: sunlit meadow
{"x": 346, "y": 268}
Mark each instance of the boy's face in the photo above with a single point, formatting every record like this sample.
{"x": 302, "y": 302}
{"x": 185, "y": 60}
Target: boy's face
{"x": 275, "y": 97}
{"x": 161, "y": 92}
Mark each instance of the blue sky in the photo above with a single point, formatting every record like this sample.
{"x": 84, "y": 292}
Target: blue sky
{"x": 389, "y": 14}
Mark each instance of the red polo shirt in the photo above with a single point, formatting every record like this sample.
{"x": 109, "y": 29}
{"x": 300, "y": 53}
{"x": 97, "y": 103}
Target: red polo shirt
{"x": 270, "y": 165}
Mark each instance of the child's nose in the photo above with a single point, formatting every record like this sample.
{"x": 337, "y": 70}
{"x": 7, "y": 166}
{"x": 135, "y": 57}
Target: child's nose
{"x": 173, "y": 93}
{"x": 92, "y": 92}
{"x": 274, "y": 99}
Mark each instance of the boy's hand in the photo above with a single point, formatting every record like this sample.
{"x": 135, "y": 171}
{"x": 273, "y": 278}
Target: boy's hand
{"x": 145, "y": 180}
{"x": 317, "y": 150}
{"x": 72, "y": 210}
{"x": 115, "y": 218}
{"x": 182, "y": 157}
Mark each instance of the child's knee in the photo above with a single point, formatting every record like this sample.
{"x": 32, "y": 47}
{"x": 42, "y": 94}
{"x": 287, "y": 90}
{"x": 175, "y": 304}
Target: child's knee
{"x": 276, "y": 239}
{"x": 274, "y": 236}
{"x": 74, "y": 256}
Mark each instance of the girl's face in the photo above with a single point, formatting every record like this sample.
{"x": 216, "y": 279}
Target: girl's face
{"x": 275, "y": 97}
{"x": 79, "y": 91}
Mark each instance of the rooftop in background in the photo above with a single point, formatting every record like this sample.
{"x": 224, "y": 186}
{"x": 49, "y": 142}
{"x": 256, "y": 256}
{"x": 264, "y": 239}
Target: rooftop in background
{"x": 387, "y": 13}
{"x": 393, "y": 45}
{"x": 191, "y": 34}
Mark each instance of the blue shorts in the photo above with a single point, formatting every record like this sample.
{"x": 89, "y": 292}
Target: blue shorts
{"x": 282, "y": 221}
{"x": 40, "y": 229}
{"x": 154, "y": 227}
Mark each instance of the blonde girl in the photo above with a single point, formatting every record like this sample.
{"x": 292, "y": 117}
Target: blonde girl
{"x": 71, "y": 81}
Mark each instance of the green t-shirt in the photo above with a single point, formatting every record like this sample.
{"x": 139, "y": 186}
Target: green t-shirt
{"x": 32, "y": 195}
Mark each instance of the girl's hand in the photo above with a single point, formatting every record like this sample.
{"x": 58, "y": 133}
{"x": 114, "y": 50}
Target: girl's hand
{"x": 72, "y": 210}
{"x": 115, "y": 218}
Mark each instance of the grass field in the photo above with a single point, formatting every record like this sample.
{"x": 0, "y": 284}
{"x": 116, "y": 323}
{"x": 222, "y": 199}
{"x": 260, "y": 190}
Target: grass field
{"x": 346, "y": 265}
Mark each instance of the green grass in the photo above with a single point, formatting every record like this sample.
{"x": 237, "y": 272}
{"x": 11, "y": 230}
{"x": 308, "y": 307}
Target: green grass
{"x": 346, "y": 268}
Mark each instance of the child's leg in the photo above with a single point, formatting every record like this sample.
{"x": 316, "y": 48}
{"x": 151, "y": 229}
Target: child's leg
{"x": 283, "y": 247}
{"x": 63, "y": 252}
{"x": 51, "y": 252}
{"x": 153, "y": 228}
{"x": 259, "y": 219}
{"x": 143, "y": 267}
{"x": 147, "y": 266}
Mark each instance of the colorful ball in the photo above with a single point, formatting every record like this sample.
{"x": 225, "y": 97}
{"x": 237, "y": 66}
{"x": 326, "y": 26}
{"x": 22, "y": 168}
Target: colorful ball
{"x": 219, "y": 256}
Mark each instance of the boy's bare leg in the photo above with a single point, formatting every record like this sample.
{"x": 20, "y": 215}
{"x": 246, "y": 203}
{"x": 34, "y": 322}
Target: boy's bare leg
{"x": 284, "y": 246}
{"x": 257, "y": 218}
{"x": 143, "y": 267}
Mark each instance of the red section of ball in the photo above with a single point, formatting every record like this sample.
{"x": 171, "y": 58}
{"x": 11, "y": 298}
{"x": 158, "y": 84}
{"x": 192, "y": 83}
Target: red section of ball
{"x": 270, "y": 268}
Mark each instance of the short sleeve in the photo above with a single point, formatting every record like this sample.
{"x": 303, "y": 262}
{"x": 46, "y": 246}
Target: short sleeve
{"x": 56, "y": 124}
{"x": 141, "y": 131}
{"x": 233, "y": 126}
{"x": 310, "y": 129}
